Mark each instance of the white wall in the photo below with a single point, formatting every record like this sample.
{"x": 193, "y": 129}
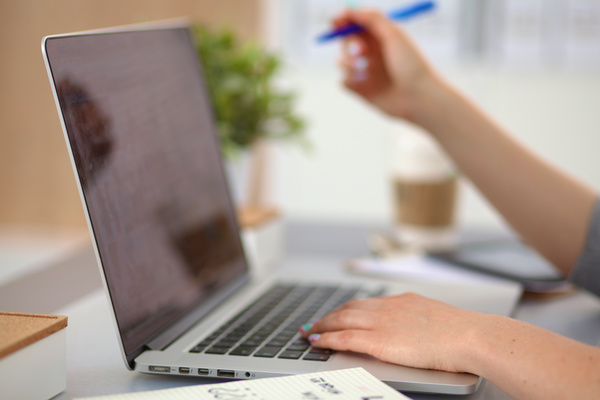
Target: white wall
{"x": 346, "y": 174}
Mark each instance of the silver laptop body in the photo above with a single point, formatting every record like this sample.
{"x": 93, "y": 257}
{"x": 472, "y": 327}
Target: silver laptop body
{"x": 141, "y": 136}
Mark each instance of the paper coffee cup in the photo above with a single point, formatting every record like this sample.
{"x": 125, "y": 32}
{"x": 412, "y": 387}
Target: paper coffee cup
{"x": 425, "y": 204}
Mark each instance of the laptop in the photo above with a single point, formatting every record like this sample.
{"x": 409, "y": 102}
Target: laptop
{"x": 142, "y": 139}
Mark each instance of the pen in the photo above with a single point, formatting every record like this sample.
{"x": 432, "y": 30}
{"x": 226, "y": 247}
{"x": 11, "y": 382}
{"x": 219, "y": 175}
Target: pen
{"x": 396, "y": 15}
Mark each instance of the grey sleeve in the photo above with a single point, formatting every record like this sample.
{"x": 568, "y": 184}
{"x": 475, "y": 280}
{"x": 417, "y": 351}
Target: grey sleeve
{"x": 586, "y": 272}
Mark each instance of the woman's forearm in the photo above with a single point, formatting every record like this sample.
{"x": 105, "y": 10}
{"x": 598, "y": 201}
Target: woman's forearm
{"x": 528, "y": 362}
{"x": 549, "y": 209}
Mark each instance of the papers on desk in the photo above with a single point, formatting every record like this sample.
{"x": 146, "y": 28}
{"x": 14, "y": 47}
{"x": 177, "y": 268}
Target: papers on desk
{"x": 505, "y": 267}
{"x": 417, "y": 268}
{"x": 347, "y": 384}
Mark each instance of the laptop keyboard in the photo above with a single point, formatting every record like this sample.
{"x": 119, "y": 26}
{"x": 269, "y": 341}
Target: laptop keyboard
{"x": 268, "y": 327}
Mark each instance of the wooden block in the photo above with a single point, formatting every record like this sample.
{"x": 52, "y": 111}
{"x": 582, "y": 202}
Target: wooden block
{"x": 32, "y": 355}
{"x": 18, "y": 330}
{"x": 251, "y": 217}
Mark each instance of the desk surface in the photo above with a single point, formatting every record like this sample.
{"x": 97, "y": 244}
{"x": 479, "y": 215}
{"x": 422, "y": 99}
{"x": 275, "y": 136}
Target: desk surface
{"x": 95, "y": 366}
{"x": 71, "y": 286}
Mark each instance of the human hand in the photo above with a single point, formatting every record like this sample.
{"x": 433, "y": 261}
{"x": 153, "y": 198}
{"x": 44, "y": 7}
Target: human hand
{"x": 383, "y": 65}
{"x": 407, "y": 329}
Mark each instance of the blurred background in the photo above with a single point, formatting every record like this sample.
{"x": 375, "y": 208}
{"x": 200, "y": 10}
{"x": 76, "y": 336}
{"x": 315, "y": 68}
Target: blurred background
{"x": 533, "y": 65}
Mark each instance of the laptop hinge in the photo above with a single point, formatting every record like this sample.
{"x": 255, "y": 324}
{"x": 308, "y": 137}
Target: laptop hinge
{"x": 177, "y": 329}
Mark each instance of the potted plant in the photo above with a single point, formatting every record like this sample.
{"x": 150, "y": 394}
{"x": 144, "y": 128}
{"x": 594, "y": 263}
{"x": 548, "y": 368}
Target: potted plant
{"x": 241, "y": 83}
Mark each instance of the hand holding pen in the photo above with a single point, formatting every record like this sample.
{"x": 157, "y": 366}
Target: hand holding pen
{"x": 401, "y": 14}
{"x": 383, "y": 66}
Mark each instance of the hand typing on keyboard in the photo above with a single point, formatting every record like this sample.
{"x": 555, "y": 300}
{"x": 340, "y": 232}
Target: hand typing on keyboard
{"x": 269, "y": 326}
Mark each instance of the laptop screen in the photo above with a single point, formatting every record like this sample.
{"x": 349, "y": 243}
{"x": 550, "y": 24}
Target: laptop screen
{"x": 141, "y": 131}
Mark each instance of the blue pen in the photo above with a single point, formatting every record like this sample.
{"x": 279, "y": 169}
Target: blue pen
{"x": 397, "y": 15}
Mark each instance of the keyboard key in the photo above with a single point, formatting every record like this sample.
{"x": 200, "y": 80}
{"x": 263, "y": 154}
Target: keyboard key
{"x": 280, "y": 338}
{"x": 291, "y": 355}
{"x": 317, "y": 350}
{"x": 316, "y": 357}
{"x": 259, "y": 336}
{"x": 277, "y": 342}
{"x": 252, "y": 342}
{"x": 197, "y": 349}
{"x": 267, "y": 351}
{"x": 298, "y": 346}
{"x": 242, "y": 351}
{"x": 217, "y": 350}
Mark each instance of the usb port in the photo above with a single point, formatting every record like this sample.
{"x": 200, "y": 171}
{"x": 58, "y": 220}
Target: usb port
{"x": 226, "y": 373}
{"x": 158, "y": 368}
{"x": 184, "y": 370}
{"x": 203, "y": 371}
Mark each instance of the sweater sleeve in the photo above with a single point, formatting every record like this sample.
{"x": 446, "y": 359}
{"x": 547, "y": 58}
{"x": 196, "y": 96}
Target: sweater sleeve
{"x": 586, "y": 272}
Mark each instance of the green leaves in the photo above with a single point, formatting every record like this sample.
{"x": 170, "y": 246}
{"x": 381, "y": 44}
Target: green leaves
{"x": 240, "y": 80}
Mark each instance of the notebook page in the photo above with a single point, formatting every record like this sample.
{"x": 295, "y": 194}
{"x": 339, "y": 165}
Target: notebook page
{"x": 347, "y": 384}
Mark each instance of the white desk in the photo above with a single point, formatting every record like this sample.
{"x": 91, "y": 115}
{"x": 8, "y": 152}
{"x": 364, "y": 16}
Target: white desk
{"x": 95, "y": 366}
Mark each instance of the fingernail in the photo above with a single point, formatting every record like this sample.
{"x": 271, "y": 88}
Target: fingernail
{"x": 353, "y": 49}
{"x": 314, "y": 337}
{"x": 361, "y": 63}
{"x": 359, "y": 76}
{"x": 305, "y": 327}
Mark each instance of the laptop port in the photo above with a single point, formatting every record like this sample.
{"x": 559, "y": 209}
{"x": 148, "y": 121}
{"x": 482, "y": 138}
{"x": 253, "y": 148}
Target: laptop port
{"x": 226, "y": 373}
{"x": 203, "y": 371}
{"x": 158, "y": 368}
{"x": 184, "y": 370}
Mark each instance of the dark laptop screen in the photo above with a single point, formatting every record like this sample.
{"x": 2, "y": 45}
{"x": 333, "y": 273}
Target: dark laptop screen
{"x": 141, "y": 130}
